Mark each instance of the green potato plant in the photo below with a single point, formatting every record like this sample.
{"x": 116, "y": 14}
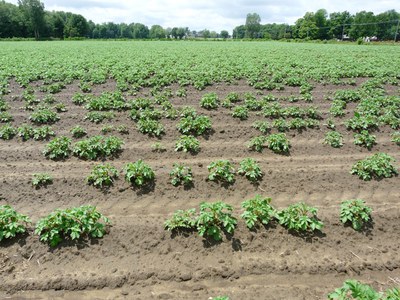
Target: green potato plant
{"x": 58, "y": 148}
{"x": 138, "y": 173}
{"x": 181, "y": 174}
{"x": 221, "y": 170}
{"x": 102, "y": 176}
{"x": 11, "y": 222}
{"x": 334, "y": 139}
{"x": 41, "y": 180}
{"x": 258, "y": 210}
{"x": 300, "y": 217}
{"x": 250, "y": 168}
{"x": 376, "y": 166}
{"x": 187, "y": 143}
{"x": 355, "y": 212}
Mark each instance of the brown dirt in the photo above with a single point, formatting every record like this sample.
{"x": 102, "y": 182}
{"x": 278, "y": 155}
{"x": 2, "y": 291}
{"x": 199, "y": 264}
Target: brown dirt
{"x": 138, "y": 259}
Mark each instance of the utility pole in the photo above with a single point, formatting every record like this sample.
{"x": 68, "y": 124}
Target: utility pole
{"x": 397, "y": 30}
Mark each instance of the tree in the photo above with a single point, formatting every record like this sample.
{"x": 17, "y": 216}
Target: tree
{"x": 11, "y": 21}
{"x": 224, "y": 34}
{"x": 239, "y": 32}
{"x": 361, "y": 26}
{"x": 320, "y": 18}
{"x": 76, "y": 26}
{"x": 33, "y": 11}
{"x": 387, "y": 24}
{"x": 337, "y": 21}
{"x": 306, "y": 27}
{"x": 157, "y": 32}
{"x": 253, "y": 26}
{"x": 140, "y": 31}
{"x": 206, "y": 33}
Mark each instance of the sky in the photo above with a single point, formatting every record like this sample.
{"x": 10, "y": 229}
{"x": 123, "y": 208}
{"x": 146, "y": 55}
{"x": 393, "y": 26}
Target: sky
{"x": 215, "y": 15}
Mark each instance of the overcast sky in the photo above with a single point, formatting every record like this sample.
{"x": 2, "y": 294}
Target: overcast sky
{"x": 211, "y": 14}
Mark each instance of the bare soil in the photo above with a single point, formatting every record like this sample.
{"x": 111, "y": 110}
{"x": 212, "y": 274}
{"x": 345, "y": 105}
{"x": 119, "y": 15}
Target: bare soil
{"x": 138, "y": 259}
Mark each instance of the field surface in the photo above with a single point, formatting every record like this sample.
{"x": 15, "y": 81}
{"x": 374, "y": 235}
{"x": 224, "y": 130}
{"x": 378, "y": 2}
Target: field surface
{"x": 138, "y": 258}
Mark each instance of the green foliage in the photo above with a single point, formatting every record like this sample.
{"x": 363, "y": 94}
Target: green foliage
{"x": 150, "y": 126}
{"x": 107, "y": 101}
{"x": 44, "y": 116}
{"x": 257, "y": 143}
{"x": 300, "y": 217}
{"x": 41, "y": 180}
{"x": 396, "y": 137}
{"x": 73, "y": 223}
{"x": 250, "y": 168}
{"x": 11, "y": 222}
{"x": 187, "y": 143}
{"x": 85, "y": 87}
{"x": 278, "y": 143}
{"x": 233, "y": 97}
{"x": 364, "y": 139}
{"x": 25, "y": 132}
{"x": 362, "y": 122}
{"x": 209, "y": 101}
{"x": 7, "y": 132}
{"x": 58, "y": 148}
{"x": 221, "y": 170}
{"x": 78, "y": 132}
{"x": 98, "y": 146}
{"x": 102, "y": 175}
{"x": 353, "y": 289}
{"x": 181, "y": 174}
{"x": 5, "y": 117}
{"x": 355, "y": 212}
{"x": 221, "y": 298}
{"x": 181, "y": 92}
{"x": 337, "y": 108}
{"x": 181, "y": 219}
{"x": 215, "y": 217}
{"x": 98, "y": 117}
{"x": 60, "y": 107}
{"x": 376, "y": 166}
{"x": 122, "y": 129}
{"x": 107, "y": 129}
{"x": 262, "y": 126}
{"x": 139, "y": 173}
{"x": 334, "y": 139}
{"x": 158, "y": 147}
{"x": 258, "y": 210}
{"x": 196, "y": 125}
{"x": 240, "y": 112}
{"x": 80, "y": 99}
{"x": 3, "y": 105}
{"x": 281, "y": 124}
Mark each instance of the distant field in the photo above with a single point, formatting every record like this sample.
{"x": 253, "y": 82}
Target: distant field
{"x": 146, "y": 93}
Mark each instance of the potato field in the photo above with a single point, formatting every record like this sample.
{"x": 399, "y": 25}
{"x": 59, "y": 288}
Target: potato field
{"x": 199, "y": 170}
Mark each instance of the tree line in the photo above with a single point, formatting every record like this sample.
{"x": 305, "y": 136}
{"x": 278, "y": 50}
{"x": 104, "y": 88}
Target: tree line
{"x": 29, "y": 19}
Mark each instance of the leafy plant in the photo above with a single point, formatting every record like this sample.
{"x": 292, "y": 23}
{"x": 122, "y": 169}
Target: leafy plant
{"x": 43, "y": 133}
{"x": 281, "y": 124}
{"x": 5, "y": 117}
{"x": 250, "y": 168}
{"x": 334, "y": 138}
{"x": 7, "y": 132}
{"x": 60, "y": 107}
{"x": 98, "y": 146}
{"x": 209, "y": 101}
{"x": 78, "y": 132}
{"x": 352, "y": 289}
{"x": 58, "y": 148}
{"x": 181, "y": 219}
{"x": 25, "y": 132}
{"x": 181, "y": 174}
{"x": 11, "y": 222}
{"x": 138, "y": 173}
{"x": 107, "y": 129}
{"x": 376, "y": 166}
{"x": 233, "y": 97}
{"x": 150, "y": 126}
{"x": 187, "y": 143}
{"x": 221, "y": 170}
{"x": 41, "y": 180}
{"x": 364, "y": 139}
{"x": 102, "y": 175}
{"x": 240, "y": 112}
{"x": 196, "y": 125}
{"x": 396, "y": 137}
{"x": 98, "y": 117}
{"x": 278, "y": 143}
{"x": 80, "y": 99}
{"x": 44, "y": 116}
{"x": 262, "y": 126}
{"x": 257, "y": 143}
{"x": 158, "y": 147}
{"x": 73, "y": 223}
{"x": 122, "y": 129}
{"x": 181, "y": 92}
{"x": 355, "y": 212}
{"x": 300, "y": 217}
{"x": 215, "y": 217}
{"x": 258, "y": 210}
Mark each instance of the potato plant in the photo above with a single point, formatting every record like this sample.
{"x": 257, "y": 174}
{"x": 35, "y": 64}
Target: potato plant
{"x": 353, "y": 289}
{"x": 221, "y": 170}
{"x": 98, "y": 147}
{"x": 365, "y": 139}
{"x": 58, "y": 148}
{"x": 7, "y": 132}
{"x": 150, "y": 127}
{"x": 41, "y": 180}
{"x": 241, "y": 112}
{"x": 72, "y": 223}
{"x": 138, "y": 173}
{"x": 209, "y": 101}
{"x": 11, "y": 222}
{"x": 195, "y": 125}
{"x": 376, "y": 166}
{"x": 300, "y": 217}
{"x": 5, "y": 117}
{"x": 78, "y": 132}
{"x": 44, "y": 116}
{"x": 250, "y": 168}
{"x": 98, "y": 117}
{"x": 181, "y": 174}
{"x": 257, "y": 143}
{"x": 355, "y": 212}
{"x": 181, "y": 219}
{"x": 334, "y": 139}
{"x": 396, "y": 138}
{"x": 187, "y": 143}
{"x": 263, "y": 126}
{"x": 278, "y": 143}
{"x": 258, "y": 210}
{"x": 102, "y": 176}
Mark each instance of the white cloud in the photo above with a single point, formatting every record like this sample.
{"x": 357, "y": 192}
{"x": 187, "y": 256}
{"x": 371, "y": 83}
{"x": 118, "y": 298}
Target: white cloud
{"x": 213, "y": 15}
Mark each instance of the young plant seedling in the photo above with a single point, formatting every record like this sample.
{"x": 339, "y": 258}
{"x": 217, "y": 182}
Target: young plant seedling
{"x": 221, "y": 170}
{"x": 102, "y": 176}
{"x": 257, "y": 143}
{"x": 258, "y": 210}
{"x": 376, "y": 166}
{"x": 41, "y": 180}
{"x": 278, "y": 143}
{"x": 11, "y": 222}
{"x": 181, "y": 174}
{"x": 58, "y": 148}
{"x": 365, "y": 139}
{"x": 334, "y": 139}
{"x": 355, "y": 212}
{"x": 250, "y": 168}
{"x": 138, "y": 173}
{"x": 187, "y": 143}
{"x": 300, "y": 217}
{"x": 181, "y": 219}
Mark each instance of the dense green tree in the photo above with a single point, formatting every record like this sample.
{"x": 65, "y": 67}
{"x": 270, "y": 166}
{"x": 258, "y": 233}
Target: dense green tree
{"x": 361, "y": 26}
{"x": 306, "y": 27}
{"x": 75, "y": 26}
{"x": 339, "y": 24}
{"x": 253, "y": 26}
{"x": 387, "y": 24}
{"x": 320, "y": 18}
{"x": 239, "y": 32}
{"x": 206, "y": 33}
{"x": 33, "y": 11}
{"x": 12, "y": 22}
{"x": 140, "y": 31}
{"x": 125, "y": 31}
{"x": 157, "y": 32}
{"x": 224, "y": 34}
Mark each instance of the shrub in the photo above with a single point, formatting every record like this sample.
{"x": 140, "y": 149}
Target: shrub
{"x": 355, "y": 212}
{"x": 240, "y": 112}
{"x": 196, "y": 125}
{"x": 250, "y": 168}
{"x": 376, "y": 166}
{"x": 187, "y": 143}
{"x": 209, "y": 101}
{"x": 215, "y": 217}
{"x": 138, "y": 173}
{"x": 258, "y": 210}
{"x": 11, "y": 222}
{"x": 7, "y": 132}
{"x": 257, "y": 143}
{"x": 300, "y": 217}
{"x": 278, "y": 143}
{"x": 181, "y": 174}
{"x": 221, "y": 170}
{"x": 98, "y": 146}
{"x": 78, "y": 131}
{"x": 72, "y": 223}
{"x": 41, "y": 180}
{"x": 334, "y": 139}
{"x": 44, "y": 116}
{"x": 102, "y": 175}
{"x": 58, "y": 148}
{"x": 364, "y": 139}
{"x": 181, "y": 219}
